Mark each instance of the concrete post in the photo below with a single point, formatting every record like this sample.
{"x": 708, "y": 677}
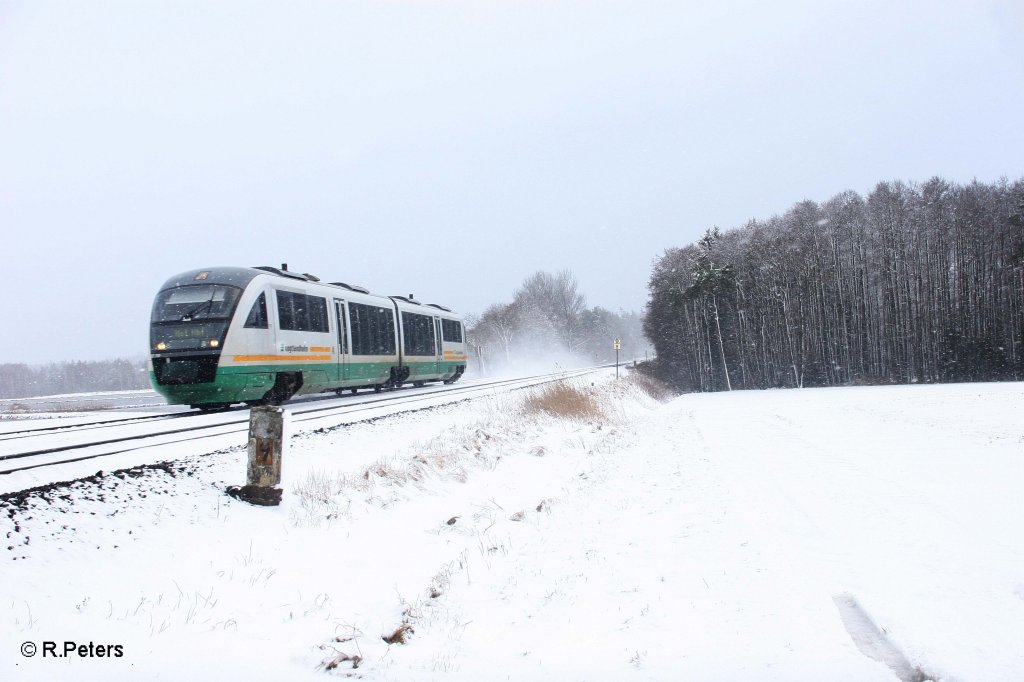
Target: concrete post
{"x": 266, "y": 436}
{"x": 266, "y": 450}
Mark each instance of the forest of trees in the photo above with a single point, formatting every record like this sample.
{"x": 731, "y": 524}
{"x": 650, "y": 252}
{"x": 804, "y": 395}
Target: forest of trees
{"x": 547, "y": 319}
{"x": 23, "y": 381}
{"x": 915, "y": 283}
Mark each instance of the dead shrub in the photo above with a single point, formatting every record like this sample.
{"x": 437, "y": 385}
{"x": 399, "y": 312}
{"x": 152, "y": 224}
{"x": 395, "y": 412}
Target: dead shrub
{"x": 389, "y": 471}
{"x": 332, "y": 662}
{"x": 562, "y": 400}
{"x": 318, "y": 488}
{"x": 400, "y": 635}
{"x": 651, "y": 386}
{"x": 320, "y": 498}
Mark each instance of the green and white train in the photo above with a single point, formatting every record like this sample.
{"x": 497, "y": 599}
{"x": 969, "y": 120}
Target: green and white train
{"x": 263, "y": 335}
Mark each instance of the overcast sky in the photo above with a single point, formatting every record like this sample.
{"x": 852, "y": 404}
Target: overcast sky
{"x": 452, "y": 149}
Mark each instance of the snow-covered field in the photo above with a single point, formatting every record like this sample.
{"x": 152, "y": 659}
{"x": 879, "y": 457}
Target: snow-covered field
{"x": 833, "y": 534}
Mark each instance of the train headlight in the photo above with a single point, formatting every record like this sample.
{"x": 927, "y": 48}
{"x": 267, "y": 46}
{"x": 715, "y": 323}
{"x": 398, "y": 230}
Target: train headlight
{"x": 214, "y": 343}
{"x": 161, "y": 346}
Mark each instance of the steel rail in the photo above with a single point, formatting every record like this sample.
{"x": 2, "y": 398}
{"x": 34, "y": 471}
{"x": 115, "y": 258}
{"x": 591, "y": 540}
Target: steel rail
{"x": 86, "y": 426}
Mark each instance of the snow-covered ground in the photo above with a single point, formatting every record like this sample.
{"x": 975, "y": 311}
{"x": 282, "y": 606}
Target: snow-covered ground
{"x": 57, "y": 406}
{"x": 840, "y": 534}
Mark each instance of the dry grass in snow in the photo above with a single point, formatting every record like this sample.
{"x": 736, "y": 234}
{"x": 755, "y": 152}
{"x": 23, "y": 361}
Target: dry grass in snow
{"x": 563, "y": 399}
{"x": 452, "y": 455}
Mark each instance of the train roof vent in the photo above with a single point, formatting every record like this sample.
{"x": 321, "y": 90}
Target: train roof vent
{"x": 352, "y": 287}
{"x": 311, "y": 278}
{"x": 439, "y": 307}
{"x": 283, "y": 273}
{"x": 407, "y": 299}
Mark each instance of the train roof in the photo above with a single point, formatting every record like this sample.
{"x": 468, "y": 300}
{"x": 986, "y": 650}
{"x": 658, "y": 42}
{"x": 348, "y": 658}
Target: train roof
{"x": 240, "y": 277}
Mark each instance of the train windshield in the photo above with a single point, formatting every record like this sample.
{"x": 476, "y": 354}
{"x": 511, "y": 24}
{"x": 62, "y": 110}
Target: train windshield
{"x": 196, "y": 303}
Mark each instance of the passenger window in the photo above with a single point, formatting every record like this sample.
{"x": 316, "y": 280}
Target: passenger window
{"x": 418, "y": 334}
{"x": 451, "y": 331}
{"x": 373, "y": 329}
{"x": 302, "y": 313}
{"x": 318, "y": 321}
{"x": 258, "y": 315}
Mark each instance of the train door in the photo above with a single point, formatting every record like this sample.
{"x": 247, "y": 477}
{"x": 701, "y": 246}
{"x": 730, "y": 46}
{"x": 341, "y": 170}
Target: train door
{"x": 437, "y": 345}
{"x": 343, "y": 348}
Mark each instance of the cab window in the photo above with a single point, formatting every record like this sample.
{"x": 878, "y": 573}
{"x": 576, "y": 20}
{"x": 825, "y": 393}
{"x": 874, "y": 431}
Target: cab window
{"x": 258, "y": 315}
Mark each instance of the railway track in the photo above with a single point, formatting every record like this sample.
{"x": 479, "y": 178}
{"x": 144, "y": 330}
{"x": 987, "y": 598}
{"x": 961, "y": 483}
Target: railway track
{"x": 84, "y": 426}
{"x": 51, "y": 447}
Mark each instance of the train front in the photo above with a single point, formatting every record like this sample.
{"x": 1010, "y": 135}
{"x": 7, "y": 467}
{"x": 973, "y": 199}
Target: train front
{"x": 188, "y": 328}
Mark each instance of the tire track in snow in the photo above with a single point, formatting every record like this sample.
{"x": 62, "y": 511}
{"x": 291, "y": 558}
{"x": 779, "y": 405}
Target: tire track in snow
{"x": 872, "y": 641}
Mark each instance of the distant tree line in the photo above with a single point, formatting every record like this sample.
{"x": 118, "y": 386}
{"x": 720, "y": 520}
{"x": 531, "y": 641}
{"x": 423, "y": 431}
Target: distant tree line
{"x": 25, "y": 381}
{"x": 547, "y": 319}
{"x": 915, "y": 283}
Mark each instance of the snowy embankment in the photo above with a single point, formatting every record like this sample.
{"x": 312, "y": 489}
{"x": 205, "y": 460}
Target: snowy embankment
{"x": 841, "y": 534}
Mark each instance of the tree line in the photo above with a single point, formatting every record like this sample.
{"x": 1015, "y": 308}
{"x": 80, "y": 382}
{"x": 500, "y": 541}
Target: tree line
{"x": 548, "y": 319}
{"x": 19, "y": 380}
{"x": 915, "y": 283}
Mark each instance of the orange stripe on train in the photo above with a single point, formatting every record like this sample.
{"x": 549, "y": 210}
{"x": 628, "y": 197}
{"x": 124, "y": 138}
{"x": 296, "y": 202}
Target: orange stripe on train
{"x": 282, "y": 358}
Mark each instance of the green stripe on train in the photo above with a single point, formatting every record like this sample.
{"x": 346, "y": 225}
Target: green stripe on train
{"x": 251, "y": 382}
